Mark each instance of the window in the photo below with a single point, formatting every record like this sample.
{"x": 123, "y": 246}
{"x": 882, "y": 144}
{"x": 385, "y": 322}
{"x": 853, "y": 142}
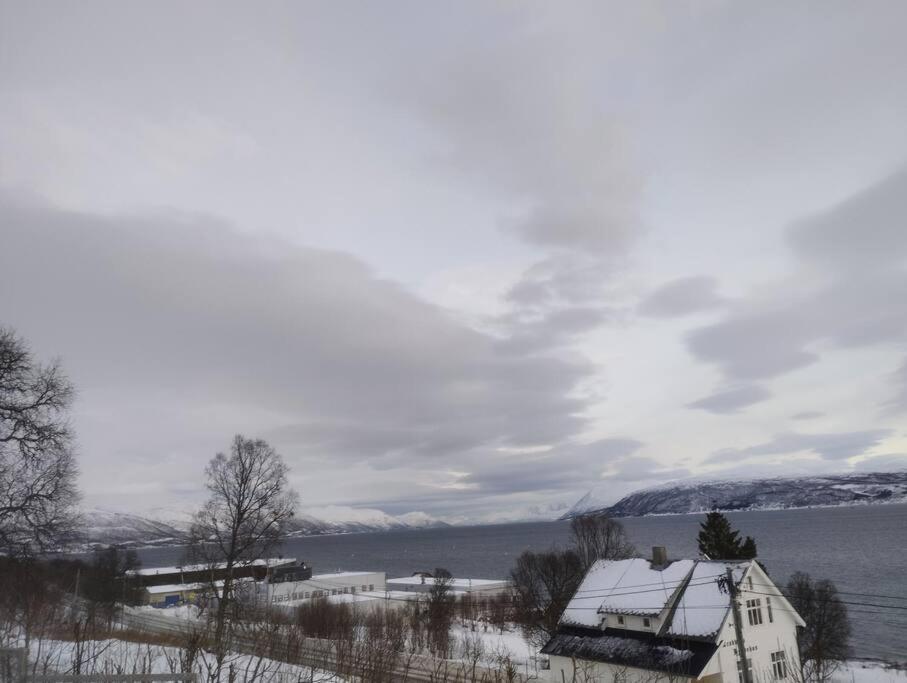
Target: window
{"x": 749, "y": 582}
{"x": 371, "y": 586}
{"x": 749, "y": 666}
{"x": 307, "y": 594}
{"x": 779, "y": 665}
{"x": 646, "y": 622}
{"x": 364, "y": 588}
{"x": 754, "y": 611}
{"x": 768, "y": 606}
{"x": 620, "y": 620}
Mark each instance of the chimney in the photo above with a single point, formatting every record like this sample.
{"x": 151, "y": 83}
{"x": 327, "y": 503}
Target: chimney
{"x": 659, "y": 556}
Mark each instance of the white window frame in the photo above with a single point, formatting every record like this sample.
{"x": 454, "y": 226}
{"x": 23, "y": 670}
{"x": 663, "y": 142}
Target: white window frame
{"x": 749, "y": 666}
{"x": 779, "y": 665}
{"x": 754, "y": 611}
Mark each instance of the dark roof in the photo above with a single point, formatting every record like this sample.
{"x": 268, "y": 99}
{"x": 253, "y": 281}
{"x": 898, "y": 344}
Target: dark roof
{"x": 638, "y": 649}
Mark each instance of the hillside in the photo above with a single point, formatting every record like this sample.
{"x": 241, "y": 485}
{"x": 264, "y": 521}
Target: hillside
{"x": 754, "y": 494}
{"x": 99, "y": 526}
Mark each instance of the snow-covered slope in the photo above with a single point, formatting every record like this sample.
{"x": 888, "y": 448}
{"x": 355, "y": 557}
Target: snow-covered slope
{"x": 753, "y": 494}
{"x": 163, "y": 526}
{"x": 99, "y": 526}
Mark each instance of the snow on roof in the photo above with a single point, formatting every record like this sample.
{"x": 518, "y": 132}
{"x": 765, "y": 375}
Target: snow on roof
{"x": 648, "y": 653}
{"x": 340, "y": 575}
{"x": 180, "y": 587}
{"x": 157, "y": 571}
{"x": 624, "y": 587}
{"x": 454, "y": 583}
{"x": 701, "y": 608}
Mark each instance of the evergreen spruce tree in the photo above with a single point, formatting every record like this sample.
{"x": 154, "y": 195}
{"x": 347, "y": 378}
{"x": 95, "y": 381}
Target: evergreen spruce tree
{"x": 718, "y": 541}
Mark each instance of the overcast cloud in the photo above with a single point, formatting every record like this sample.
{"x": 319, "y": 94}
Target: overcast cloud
{"x": 470, "y": 259}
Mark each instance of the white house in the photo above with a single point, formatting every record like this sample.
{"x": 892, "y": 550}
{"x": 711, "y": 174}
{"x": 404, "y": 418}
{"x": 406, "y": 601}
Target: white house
{"x": 645, "y": 620}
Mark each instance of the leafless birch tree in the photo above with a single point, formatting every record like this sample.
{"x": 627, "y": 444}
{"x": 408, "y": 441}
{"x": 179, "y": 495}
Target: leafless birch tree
{"x": 249, "y": 504}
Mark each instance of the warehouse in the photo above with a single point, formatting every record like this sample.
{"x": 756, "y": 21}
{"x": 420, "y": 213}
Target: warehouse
{"x": 323, "y": 585}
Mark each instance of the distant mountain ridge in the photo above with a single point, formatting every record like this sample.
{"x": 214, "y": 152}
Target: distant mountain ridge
{"x": 161, "y": 527}
{"x": 752, "y": 494}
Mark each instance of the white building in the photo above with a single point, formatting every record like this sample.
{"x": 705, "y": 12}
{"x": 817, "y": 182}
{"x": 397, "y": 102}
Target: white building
{"x": 641, "y": 620}
{"x": 325, "y": 585}
{"x": 423, "y": 584}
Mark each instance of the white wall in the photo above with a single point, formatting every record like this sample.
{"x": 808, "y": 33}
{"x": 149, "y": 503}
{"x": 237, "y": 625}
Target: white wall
{"x": 567, "y": 670}
{"x": 325, "y": 584}
{"x": 779, "y": 634}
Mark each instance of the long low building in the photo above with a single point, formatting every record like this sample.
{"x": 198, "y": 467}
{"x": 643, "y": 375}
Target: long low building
{"x": 277, "y": 568}
{"x": 323, "y": 585}
{"x": 424, "y": 584}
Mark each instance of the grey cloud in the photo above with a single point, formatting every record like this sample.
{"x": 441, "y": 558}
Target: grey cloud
{"x": 560, "y": 278}
{"x": 540, "y": 140}
{"x": 807, "y": 415}
{"x": 612, "y": 447}
{"x": 864, "y": 232}
{"x": 639, "y": 469}
{"x": 830, "y": 446}
{"x": 553, "y": 329}
{"x": 851, "y": 294}
{"x": 898, "y": 404}
{"x": 883, "y": 463}
{"x": 732, "y": 400}
{"x": 682, "y": 297}
{"x": 302, "y": 344}
{"x": 562, "y": 467}
{"x": 559, "y": 168}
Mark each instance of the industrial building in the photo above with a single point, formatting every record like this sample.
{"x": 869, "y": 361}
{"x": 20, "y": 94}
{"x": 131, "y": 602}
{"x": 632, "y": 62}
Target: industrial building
{"x": 420, "y": 583}
{"x": 322, "y": 585}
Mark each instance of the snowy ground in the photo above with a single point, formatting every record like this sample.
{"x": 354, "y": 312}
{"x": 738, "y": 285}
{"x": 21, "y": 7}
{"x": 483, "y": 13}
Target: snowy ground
{"x": 122, "y": 657}
{"x": 861, "y": 671}
{"x": 494, "y": 645}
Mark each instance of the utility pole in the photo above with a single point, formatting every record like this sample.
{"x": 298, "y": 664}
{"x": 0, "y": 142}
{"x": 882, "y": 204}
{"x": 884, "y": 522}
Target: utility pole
{"x": 743, "y": 660}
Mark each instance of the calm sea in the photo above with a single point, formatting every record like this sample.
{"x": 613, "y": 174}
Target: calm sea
{"x": 862, "y": 549}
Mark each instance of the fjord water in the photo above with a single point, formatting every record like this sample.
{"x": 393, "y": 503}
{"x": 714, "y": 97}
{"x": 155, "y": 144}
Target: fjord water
{"x": 862, "y": 549}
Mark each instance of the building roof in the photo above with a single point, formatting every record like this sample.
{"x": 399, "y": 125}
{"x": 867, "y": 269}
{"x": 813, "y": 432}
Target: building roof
{"x": 340, "y": 575}
{"x": 704, "y": 600}
{"x": 632, "y": 586}
{"x": 157, "y": 571}
{"x": 458, "y": 584}
{"x": 632, "y": 648}
{"x": 691, "y": 595}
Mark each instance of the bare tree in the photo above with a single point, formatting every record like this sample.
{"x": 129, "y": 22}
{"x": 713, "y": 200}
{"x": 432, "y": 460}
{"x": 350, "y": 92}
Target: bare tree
{"x": 598, "y": 537}
{"x": 543, "y": 584}
{"x": 824, "y": 641}
{"x": 249, "y": 504}
{"x": 37, "y": 468}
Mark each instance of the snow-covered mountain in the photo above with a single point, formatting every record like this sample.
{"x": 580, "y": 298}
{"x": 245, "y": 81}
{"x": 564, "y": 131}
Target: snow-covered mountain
{"x": 109, "y": 527}
{"x": 161, "y": 526}
{"x": 753, "y": 494}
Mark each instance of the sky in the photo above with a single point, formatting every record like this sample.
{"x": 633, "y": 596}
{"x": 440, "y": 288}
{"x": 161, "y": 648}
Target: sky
{"x": 470, "y": 259}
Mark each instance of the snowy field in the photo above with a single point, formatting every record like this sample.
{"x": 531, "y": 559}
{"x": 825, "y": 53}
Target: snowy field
{"x": 123, "y": 657}
{"x": 860, "y": 671}
{"x": 471, "y": 641}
